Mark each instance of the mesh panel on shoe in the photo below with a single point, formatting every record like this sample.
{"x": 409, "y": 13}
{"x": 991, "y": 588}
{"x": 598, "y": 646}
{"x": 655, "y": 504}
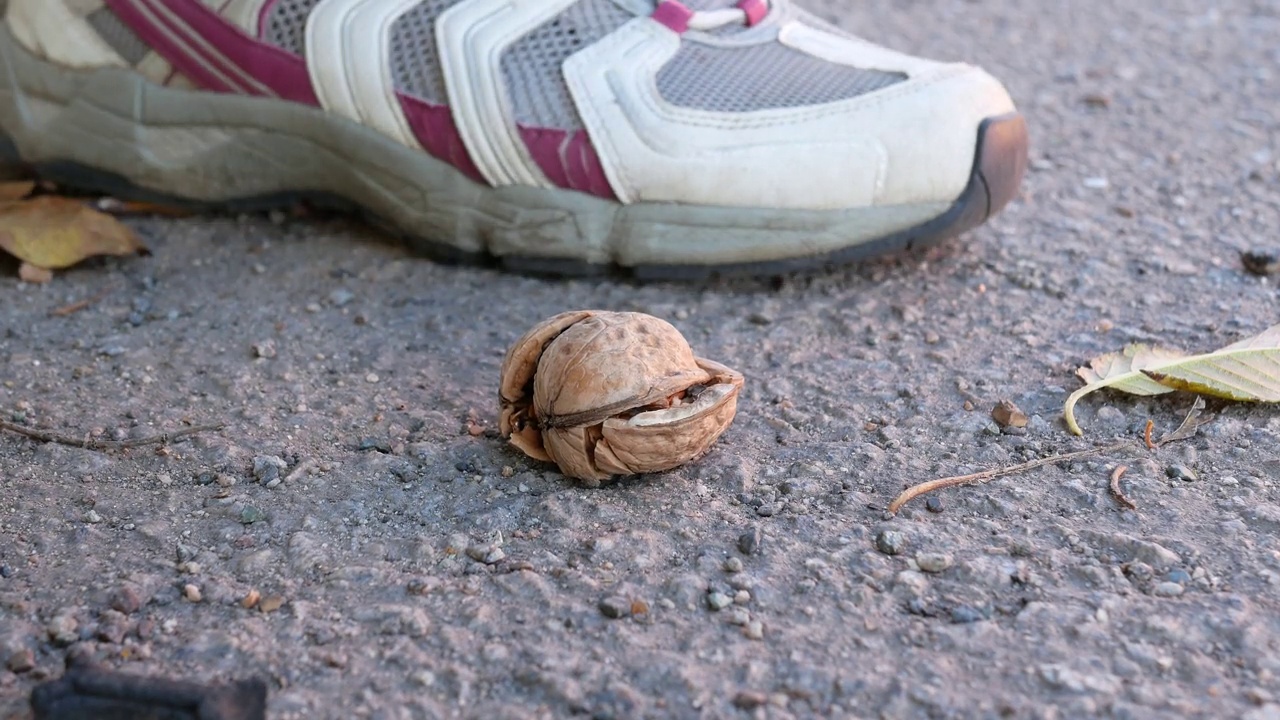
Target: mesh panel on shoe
{"x": 761, "y": 77}
{"x": 119, "y": 36}
{"x": 415, "y": 66}
{"x": 533, "y": 70}
{"x": 286, "y": 25}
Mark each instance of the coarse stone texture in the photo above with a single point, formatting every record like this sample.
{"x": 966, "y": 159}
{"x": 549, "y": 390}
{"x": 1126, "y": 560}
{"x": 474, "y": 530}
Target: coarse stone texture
{"x": 349, "y": 584}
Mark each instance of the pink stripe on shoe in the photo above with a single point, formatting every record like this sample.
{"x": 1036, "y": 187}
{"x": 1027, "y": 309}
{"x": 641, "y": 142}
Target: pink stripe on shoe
{"x": 673, "y": 14}
{"x": 436, "y": 130}
{"x": 263, "y": 15}
{"x": 212, "y": 52}
{"x": 569, "y": 160}
{"x": 756, "y": 10}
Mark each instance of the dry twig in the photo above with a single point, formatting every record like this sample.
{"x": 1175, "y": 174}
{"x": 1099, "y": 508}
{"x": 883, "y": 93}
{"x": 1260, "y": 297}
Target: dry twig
{"x": 77, "y": 306}
{"x": 88, "y": 444}
{"x": 1146, "y": 434}
{"x": 1190, "y": 425}
{"x": 1115, "y": 487}
{"x": 916, "y": 491}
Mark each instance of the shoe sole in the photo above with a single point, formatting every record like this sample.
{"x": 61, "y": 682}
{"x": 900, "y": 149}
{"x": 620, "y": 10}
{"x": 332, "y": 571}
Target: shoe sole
{"x": 111, "y": 131}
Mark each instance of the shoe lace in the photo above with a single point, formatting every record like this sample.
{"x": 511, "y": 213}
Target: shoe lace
{"x": 746, "y": 12}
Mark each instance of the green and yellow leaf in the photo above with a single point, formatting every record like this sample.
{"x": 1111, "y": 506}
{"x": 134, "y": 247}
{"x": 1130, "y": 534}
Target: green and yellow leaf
{"x": 1247, "y": 371}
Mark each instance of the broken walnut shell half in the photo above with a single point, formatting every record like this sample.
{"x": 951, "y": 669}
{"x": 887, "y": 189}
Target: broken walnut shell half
{"x": 612, "y": 393}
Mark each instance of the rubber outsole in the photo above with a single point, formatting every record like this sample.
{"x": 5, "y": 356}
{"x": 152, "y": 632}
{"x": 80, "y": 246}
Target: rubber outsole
{"x": 999, "y": 165}
{"x": 1000, "y": 161}
{"x": 109, "y": 131}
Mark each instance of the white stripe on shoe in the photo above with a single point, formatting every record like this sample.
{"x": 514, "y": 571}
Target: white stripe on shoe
{"x": 327, "y": 57}
{"x": 367, "y": 51}
{"x": 471, "y": 38}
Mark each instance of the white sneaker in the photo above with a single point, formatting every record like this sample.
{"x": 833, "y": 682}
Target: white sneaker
{"x": 563, "y": 136}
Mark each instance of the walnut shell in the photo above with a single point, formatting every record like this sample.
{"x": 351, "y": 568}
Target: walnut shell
{"x": 612, "y": 393}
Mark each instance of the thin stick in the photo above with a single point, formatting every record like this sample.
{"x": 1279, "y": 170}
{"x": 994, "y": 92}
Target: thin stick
{"x": 107, "y": 444}
{"x": 1146, "y": 434}
{"x": 916, "y": 491}
{"x": 1115, "y": 487}
{"x": 76, "y": 307}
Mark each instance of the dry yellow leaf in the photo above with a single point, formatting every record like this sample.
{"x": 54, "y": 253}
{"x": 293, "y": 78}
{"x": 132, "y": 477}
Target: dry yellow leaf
{"x": 16, "y": 190}
{"x": 54, "y": 232}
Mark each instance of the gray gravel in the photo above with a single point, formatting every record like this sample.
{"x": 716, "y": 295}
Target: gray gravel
{"x": 353, "y": 585}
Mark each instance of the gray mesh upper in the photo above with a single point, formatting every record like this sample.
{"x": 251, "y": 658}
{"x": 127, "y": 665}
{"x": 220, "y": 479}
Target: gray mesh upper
{"x": 415, "y": 66}
{"x": 287, "y": 23}
{"x": 532, "y": 66}
{"x": 761, "y": 77}
{"x": 119, "y": 36}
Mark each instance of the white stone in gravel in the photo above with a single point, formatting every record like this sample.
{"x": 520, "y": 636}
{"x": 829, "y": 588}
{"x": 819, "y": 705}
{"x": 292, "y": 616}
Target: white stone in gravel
{"x": 915, "y": 583}
{"x": 62, "y": 629}
{"x": 1167, "y": 589}
{"x": 718, "y": 601}
{"x": 754, "y": 630}
{"x": 738, "y": 616}
{"x": 1065, "y": 678}
{"x": 933, "y": 562}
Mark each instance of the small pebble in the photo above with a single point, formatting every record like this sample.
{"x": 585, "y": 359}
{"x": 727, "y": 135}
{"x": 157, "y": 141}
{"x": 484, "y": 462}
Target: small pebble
{"x": 380, "y": 444}
{"x": 933, "y": 562}
{"x": 750, "y": 699}
{"x": 341, "y": 297}
{"x": 615, "y": 607}
{"x": 92, "y": 517}
{"x": 6, "y": 571}
{"x": 1261, "y": 261}
{"x": 250, "y": 515}
{"x": 1006, "y": 414}
{"x": 961, "y": 614}
{"x": 738, "y": 616}
{"x": 271, "y": 603}
{"x": 1178, "y": 576}
{"x": 934, "y": 504}
{"x": 733, "y": 565}
{"x": 1167, "y": 589}
{"x": 487, "y": 554}
{"x": 766, "y": 510}
{"x": 63, "y": 629}
{"x": 267, "y": 468}
{"x": 126, "y": 600}
{"x": 265, "y": 349}
{"x": 718, "y": 601}
{"x": 21, "y": 661}
{"x": 891, "y": 542}
{"x": 191, "y": 593}
{"x": 1096, "y": 183}
{"x": 742, "y": 597}
{"x": 749, "y": 542}
{"x": 1181, "y": 472}
{"x": 754, "y": 630}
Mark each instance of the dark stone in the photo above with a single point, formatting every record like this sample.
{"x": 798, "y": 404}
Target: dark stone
{"x": 126, "y": 599}
{"x": 961, "y": 614}
{"x": 615, "y": 607}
